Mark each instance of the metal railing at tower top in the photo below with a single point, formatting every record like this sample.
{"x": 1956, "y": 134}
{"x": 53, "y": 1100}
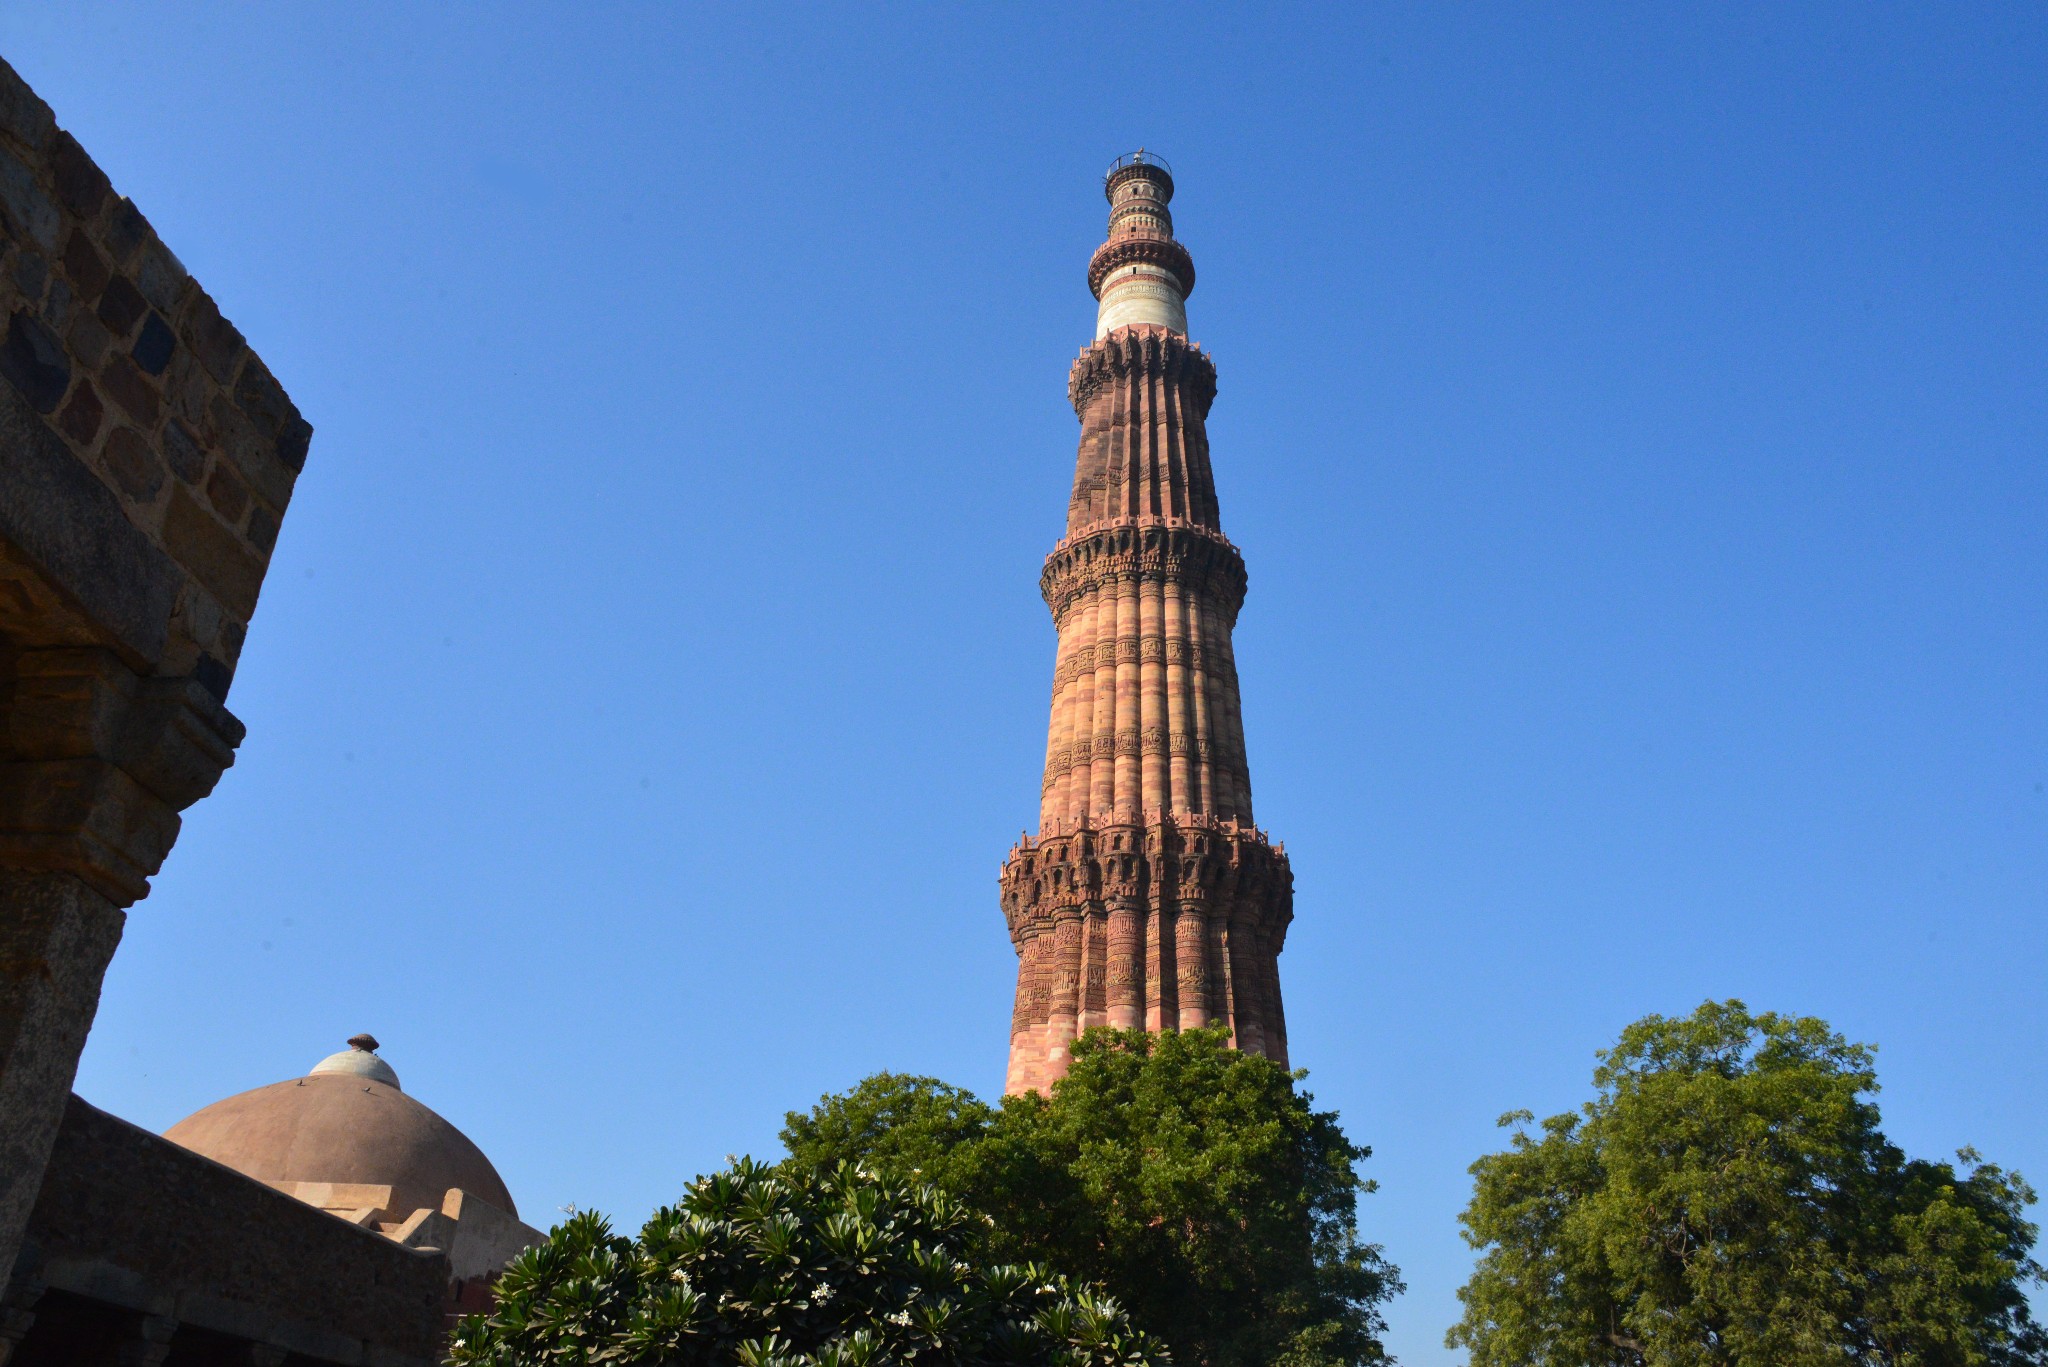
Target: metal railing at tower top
{"x": 1141, "y": 157}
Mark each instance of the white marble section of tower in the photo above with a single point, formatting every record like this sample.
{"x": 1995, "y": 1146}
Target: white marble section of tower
{"x": 1140, "y": 277}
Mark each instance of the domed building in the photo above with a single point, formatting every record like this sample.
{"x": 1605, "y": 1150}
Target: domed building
{"x": 325, "y": 1220}
{"x": 348, "y": 1139}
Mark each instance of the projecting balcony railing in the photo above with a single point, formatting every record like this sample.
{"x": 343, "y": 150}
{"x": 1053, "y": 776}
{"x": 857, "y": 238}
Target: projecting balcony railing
{"x": 1059, "y": 827}
{"x": 1141, "y": 157}
{"x": 1141, "y": 522}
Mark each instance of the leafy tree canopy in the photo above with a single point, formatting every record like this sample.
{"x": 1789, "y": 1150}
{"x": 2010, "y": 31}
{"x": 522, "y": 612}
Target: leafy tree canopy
{"x": 770, "y": 1269}
{"x": 1728, "y": 1200}
{"x": 1196, "y": 1183}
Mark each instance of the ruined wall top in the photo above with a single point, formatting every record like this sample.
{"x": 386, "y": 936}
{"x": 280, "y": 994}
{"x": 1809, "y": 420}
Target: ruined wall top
{"x": 150, "y": 452}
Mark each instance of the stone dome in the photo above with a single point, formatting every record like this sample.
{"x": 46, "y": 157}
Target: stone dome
{"x": 345, "y": 1122}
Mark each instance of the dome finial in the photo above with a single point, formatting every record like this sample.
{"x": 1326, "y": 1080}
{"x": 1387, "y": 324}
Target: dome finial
{"x": 358, "y": 1060}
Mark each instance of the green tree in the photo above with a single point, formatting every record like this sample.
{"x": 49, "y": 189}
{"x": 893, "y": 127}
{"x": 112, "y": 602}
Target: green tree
{"x": 770, "y": 1269}
{"x": 1196, "y": 1183}
{"x": 1728, "y": 1200}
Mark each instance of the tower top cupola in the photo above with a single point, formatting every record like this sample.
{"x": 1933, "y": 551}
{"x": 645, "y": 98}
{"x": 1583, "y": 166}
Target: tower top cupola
{"x": 1140, "y": 276}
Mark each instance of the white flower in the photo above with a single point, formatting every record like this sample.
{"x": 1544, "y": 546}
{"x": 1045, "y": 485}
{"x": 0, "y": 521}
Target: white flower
{"x": 823, "y": 1293}
{"x": 900, "y": 1318}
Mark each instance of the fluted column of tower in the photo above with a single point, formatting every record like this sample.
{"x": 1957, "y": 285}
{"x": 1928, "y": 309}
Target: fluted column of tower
{"x": 1147, "y": 898}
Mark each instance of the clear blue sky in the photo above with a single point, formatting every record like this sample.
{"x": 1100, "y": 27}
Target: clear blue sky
{"x": 1634, "y": 419}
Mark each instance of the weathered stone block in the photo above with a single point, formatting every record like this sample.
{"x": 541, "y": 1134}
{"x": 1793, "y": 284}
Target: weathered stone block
{"x": 31, "y": 274}
{"x": 88, "y": 339}
{"x": 254, "y": 456}
{"x": 126, "y": 231}
{"x": 228, "y": 495}
{"x": 160, "y": 276}
{"x": 121, "y": 305}
{"x": 85, "y": 817}
{"x": 293, "y": 441}
{"x": 178, "y": 740}
{"x": 200, "y": 616}
{"x": 181, "y": 449}
{"x": 63, "y": 704}
{"x": 30, "y": 213}
{"x": 72, "y": 714}
{"x": 123, "y": 382}
{"x": 33, "y": 361}
{"x": 58, "y": 304}
{"x": 83, "y": 417}
{"x": 135, "y": 468}
{"x": 23, "y": 115}
{"x": 262, "y": 529}
{"x": 214, "y": 340}
{"x": 89, "y": 272}
{"x": 61, "y": 519}
{"x": 79, "y": 182}
{"x": 214, "y": 674}
{"x": 263, "y": 399}
{"x": 188, "y": 388}
{"x": 153, "y": 345}
{"x": 213, "y": 553}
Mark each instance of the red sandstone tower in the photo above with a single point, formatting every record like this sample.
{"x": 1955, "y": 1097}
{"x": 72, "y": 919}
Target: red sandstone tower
{"x": 1147, "y": 898}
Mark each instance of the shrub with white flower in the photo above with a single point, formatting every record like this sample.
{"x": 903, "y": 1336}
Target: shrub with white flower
{"x": 764, "y": 1269}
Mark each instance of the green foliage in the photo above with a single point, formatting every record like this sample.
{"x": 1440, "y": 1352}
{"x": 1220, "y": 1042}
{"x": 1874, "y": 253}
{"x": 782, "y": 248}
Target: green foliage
{"x": 1728, "y": 1200}
{"x": 1193, "y": 1181}
{"x": 916, "y": 1126}
{"x": 762, "y": 1268}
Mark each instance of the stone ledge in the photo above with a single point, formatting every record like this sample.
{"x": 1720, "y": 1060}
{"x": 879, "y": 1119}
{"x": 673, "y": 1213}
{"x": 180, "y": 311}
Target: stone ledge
{"x": 96, "y": 764}
{"x": 157, "y": 452}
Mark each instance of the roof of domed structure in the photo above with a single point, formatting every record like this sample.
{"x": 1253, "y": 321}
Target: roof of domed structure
{"x": 344, "y": 1124}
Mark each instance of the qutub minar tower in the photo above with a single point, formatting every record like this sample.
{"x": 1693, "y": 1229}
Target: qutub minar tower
{"x": 1147, "y": 898}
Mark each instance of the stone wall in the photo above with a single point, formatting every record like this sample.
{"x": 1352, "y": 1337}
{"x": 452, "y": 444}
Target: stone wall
{"x": 167, "y": 1246}
{"x": 146, "y": 460}
{"x": 150, "y": 392}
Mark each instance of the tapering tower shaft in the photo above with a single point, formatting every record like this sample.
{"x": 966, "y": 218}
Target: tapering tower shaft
{"x": 1147, "y": 898}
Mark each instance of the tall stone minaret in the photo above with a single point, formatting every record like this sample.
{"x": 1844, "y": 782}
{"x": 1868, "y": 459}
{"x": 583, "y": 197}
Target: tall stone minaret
{"x": 1147, "y": 898}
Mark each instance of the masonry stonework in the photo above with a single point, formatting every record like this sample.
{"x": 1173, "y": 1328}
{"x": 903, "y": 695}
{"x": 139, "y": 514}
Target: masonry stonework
{"x": 146, "y": 460}
{"x": 1147, "y": 899}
